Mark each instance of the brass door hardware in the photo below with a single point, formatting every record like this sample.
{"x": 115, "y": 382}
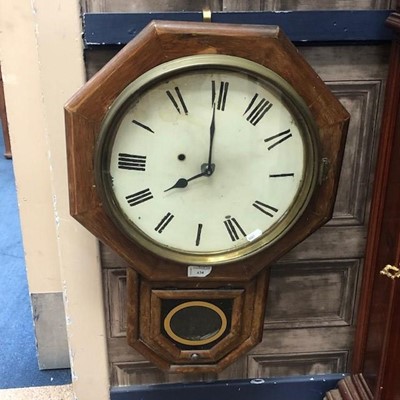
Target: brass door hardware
{"x": 391, "y": 271}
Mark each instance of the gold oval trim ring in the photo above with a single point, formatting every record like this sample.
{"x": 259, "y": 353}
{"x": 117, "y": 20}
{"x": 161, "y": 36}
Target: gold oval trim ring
{"x": 179, "y": 339}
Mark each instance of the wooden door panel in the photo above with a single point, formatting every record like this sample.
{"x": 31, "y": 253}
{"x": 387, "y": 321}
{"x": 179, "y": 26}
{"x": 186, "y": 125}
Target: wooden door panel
{"x": 312, "y": 294}
{"x": 115, "y": 281}
{"x": 297, "y": 364}
{"x": 329, "y": 242}
{"x": 361, "y": 99}
{"x": 305, "y": 340}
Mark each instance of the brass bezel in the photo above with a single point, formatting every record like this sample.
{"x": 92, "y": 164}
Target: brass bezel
{"x": 181, "y": 65}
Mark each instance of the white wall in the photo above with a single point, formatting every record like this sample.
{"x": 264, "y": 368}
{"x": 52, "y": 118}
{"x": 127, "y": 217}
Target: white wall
{"x": 42, "y": 65}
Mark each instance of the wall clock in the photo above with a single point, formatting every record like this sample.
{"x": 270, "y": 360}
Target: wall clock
{"x": 201, "y": 153}
{"x": 189, "y": 168}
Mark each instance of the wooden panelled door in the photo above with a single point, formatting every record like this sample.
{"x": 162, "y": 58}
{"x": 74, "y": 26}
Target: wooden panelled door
{"x": 314, "y": 291}
{"x": 312, "y": 298}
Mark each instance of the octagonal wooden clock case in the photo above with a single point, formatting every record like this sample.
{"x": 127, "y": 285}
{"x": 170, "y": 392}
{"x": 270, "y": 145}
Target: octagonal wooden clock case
{"x": 200, "y": 154}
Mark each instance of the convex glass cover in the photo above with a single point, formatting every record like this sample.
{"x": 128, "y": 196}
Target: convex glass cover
{"x": 207, "y": 159}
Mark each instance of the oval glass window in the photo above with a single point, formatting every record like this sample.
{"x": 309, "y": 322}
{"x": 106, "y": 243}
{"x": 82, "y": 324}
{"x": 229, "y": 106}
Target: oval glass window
{"x": 195, "y": 323}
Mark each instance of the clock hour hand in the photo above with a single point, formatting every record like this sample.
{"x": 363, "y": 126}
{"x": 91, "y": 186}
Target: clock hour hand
{"x": 183, "y": 182}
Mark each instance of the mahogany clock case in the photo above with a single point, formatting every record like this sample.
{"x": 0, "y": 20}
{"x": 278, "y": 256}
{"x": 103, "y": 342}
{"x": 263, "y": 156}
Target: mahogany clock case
{"x": 164, "y": 41}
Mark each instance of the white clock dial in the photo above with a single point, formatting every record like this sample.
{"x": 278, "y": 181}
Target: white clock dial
{"x": 208, "y": 161}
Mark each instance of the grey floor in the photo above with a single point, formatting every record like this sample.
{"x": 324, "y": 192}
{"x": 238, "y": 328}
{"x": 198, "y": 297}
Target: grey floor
{"x": 18, "y": 362}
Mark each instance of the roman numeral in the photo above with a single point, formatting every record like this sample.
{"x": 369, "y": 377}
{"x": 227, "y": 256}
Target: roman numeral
{"x": 142, "y": 126}
{"x": 278, "y": 138}
{"x": 257, "y": 110}
{"x": 265, "y": 208}
{"x": 179, "y": 100}
{"x": 131, "y": 162}
{"x": 285, "y": 175}
{"x": 198, "y": 235}
{"x": 139, "y": 197}
{"x": 222, "y": 93}
{"x": 164, "y": 222}
{"x": 233, "y": 228}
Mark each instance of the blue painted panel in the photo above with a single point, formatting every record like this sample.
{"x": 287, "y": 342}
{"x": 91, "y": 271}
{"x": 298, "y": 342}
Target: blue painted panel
{"x": 289, "y": 388}
{"x": 299, "y": 26}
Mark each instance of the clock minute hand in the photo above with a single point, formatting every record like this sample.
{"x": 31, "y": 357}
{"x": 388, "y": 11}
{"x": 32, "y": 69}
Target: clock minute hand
{"x": 209, "y": 168}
